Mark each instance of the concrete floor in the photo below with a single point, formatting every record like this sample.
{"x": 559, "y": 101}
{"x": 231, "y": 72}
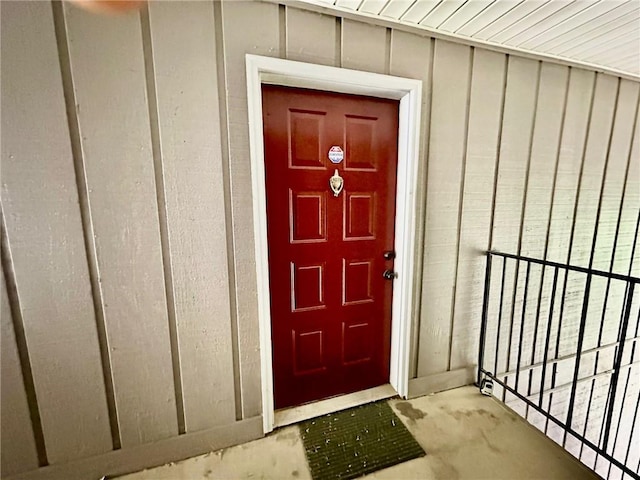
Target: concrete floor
{"x": 465, "y": 435}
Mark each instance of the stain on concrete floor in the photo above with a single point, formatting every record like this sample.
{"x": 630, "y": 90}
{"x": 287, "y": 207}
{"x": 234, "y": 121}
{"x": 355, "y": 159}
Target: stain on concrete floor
{"x": 409, "y": 411}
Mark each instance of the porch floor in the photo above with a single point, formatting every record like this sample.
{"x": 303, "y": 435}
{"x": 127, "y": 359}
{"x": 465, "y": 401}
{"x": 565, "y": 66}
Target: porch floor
{"x": 465, "y": 435}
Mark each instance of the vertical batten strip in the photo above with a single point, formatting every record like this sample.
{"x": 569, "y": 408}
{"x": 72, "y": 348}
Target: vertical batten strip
{"x": 21, "y": 343}
{"x": 228, "y": 204}
{"x": 282, "y": 26}
{"x": 634, "y": 268}
{"x": 603, "y": 182}
{"x": 338, "y": 47}
{"x": 556, "y": 166}
{"x": 156, "y": 151}
{"x": 18, "y": 453}
{"x": 623, "y": 194}
{"x": 499, "y": 149}
{"x": 387, "y": 52}
{"x": 463, "y": 172}
{"x": 421, "y": 202}
{"x": 85, "y": 218}
{"x": 528, "y": 169}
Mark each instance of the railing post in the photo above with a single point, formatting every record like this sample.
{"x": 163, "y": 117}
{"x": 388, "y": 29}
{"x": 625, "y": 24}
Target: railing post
{"x": 617, "y": 362}
{"x": 483, "y": 325}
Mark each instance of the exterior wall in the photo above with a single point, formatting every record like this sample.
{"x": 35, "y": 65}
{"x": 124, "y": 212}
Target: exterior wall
{"x": 129, "y": 317}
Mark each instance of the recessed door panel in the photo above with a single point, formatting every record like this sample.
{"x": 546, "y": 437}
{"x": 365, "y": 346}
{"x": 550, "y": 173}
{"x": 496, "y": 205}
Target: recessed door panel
{"x": 358, "y": 216}
{"x": 359, "y": 139}
{"x": 330, "y": 304}
{"x": 307, "y": 216}
{"x": 357, "y": 281}
{"x": 307, "y": 287}
{"x": 308, "y": 354}
{"x": 305, "y": 139}
{"x": 356, "y": 344}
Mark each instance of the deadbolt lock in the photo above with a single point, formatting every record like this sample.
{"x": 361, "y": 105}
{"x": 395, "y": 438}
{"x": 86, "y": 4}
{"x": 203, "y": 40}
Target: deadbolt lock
{"x": 390, "y": 274}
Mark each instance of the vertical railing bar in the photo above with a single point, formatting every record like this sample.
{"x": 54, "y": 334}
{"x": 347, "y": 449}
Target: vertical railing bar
{"x": 554, "y": 369}
{"x": 524, "y": 312}
{"x": 606, "y": 403}
{"x": 548, "y": 337}
{"x": 513, "y": 312}
{"x": 576, "y": 370}
{"x": 615, "y": 438}
{"x": 504, "y": 271}
{"x": 635, "y": 414}
{"x": 535, "y": 330}
{"x": 596, "y": 361}
{"x": 633, "y": 426}
{"x": 618, "y": 361}
{"x": 600, "y": 436}
{"x": 485, "y": 309}
{"x": 586, "y": 420}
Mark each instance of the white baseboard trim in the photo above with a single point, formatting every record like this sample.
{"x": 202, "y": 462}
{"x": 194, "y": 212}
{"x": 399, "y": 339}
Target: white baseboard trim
{"x": 127, "y": 460}
{"x": 439, "y": 382}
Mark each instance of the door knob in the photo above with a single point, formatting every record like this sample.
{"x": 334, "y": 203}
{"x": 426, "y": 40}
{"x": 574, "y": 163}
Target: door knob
{"x": 389, "y": 255}
{"x": 390, "y": 275}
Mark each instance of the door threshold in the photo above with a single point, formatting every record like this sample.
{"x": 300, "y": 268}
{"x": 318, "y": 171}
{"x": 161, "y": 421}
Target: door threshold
{"x": 290, "y": 415}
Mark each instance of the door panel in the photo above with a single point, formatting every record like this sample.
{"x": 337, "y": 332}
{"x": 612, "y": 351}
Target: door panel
{"x": 330, "y": 305}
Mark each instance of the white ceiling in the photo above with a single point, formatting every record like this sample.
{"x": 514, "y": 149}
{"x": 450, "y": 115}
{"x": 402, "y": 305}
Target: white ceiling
{"x": 601, "y": 33}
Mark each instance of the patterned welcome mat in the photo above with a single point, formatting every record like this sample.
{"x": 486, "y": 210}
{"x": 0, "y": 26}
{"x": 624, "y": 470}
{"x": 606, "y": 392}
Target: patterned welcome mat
{"x": 356, "y": 442}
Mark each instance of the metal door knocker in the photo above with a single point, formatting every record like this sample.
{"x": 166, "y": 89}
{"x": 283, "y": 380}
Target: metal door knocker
{"x": 336, "y": 183}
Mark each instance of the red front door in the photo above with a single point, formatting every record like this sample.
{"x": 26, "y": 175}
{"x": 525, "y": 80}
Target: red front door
{"x": 330, "y": 304}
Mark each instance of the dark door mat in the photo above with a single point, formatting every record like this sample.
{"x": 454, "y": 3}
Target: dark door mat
{"x": 356, "y": 442}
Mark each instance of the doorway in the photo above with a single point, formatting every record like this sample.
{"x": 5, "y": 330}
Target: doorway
{"x": 273, "y": 71}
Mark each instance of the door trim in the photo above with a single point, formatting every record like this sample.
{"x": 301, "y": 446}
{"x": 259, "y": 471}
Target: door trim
{"x": 319, "y": 77}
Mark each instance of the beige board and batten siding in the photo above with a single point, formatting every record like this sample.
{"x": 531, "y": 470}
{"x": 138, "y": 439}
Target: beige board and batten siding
{"x": 45, "y": 250}
{"x": 126, "y": 194}
{"x": 115, "y": 141}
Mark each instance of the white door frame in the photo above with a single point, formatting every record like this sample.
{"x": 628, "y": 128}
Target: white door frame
{"x": 297, "y": 74}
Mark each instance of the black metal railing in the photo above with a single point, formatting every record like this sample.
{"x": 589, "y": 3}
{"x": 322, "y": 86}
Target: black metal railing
{"x": 559, "y": 345}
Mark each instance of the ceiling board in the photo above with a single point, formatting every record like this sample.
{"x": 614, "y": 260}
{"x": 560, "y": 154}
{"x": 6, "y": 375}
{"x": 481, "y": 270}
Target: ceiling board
{"x": 604, "y": 33}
